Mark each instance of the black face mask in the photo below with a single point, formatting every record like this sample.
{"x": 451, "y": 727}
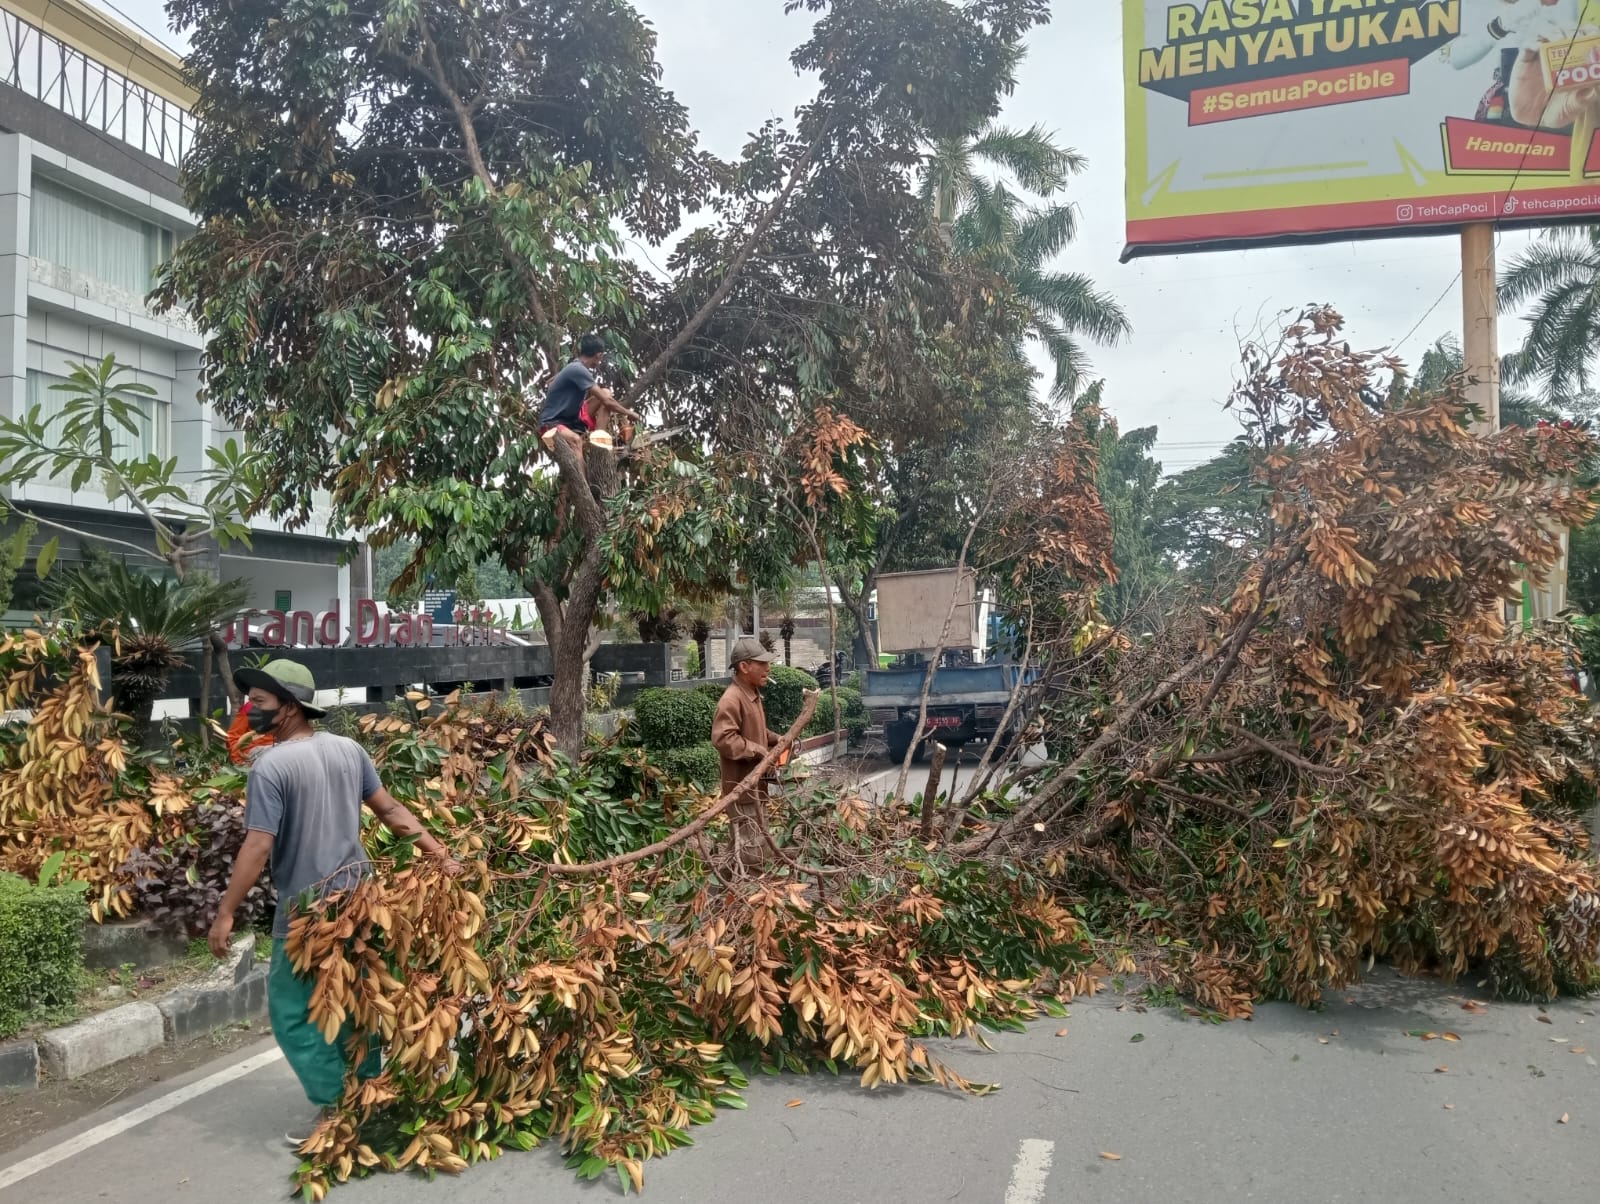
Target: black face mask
{"x": 262, "y": 721}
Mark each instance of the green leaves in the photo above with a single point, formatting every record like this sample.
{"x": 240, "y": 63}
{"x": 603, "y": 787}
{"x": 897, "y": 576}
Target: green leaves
{"x": 51, "y": 868}
{"x": 47, "y": 558}
{"x": 88, "y": 437}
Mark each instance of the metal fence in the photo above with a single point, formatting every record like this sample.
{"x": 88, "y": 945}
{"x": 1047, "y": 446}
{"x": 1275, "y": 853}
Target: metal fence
{"x": 372, "y": 677}
{"x": 65, "y": 78}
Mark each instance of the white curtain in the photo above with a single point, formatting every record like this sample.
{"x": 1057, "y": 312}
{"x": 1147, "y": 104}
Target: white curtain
{"x": 155, "y": 419}
{"x": 94, "y": 239}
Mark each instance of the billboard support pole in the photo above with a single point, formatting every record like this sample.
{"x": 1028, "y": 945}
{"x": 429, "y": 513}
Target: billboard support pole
{"x": 1481, "y": 355}
{"x": 1480, "y": 343}
{"x": 1480, "y": 329}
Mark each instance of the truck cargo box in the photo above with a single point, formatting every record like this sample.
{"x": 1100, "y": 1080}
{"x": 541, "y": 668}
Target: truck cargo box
{"x": 912, "y": 609}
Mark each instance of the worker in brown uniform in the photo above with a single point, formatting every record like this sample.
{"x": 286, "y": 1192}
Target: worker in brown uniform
{"x": 742, "y": 739}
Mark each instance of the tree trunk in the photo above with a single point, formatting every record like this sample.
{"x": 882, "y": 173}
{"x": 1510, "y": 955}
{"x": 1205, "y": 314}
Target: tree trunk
{"x": 569, "y": 646}
{"x": 930, "y": 793}
{"x": 567, "y": 702}
{"x": 705, "y": 656}
{"x": 208, "y": 660}
{"x": 865, "y": 648}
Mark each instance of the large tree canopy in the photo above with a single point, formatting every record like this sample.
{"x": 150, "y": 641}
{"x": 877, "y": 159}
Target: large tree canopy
{"x": 412, "y": 207}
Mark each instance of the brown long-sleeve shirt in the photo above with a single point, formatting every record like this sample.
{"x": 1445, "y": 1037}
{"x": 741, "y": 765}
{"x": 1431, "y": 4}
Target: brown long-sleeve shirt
{"x": 740, "y": 734}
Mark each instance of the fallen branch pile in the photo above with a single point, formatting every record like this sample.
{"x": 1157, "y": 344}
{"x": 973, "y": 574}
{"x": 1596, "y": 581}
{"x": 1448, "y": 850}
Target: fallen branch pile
{"x": 597, "y": 980}
{"x": 1346, "y": 755}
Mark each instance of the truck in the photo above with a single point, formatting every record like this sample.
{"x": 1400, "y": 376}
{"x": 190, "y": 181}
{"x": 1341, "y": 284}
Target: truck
{"x": 966, "y": 702}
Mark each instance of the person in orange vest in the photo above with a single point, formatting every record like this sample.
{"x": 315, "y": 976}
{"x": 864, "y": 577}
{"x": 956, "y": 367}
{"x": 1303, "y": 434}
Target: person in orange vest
{"x": 243, "y": 743}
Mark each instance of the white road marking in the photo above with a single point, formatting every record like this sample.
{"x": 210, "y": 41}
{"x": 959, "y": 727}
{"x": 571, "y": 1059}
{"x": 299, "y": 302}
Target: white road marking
{"x": 12, "y": 1175}
{"x": 881, "y": 776}
{"x": 1031, "y": 1171}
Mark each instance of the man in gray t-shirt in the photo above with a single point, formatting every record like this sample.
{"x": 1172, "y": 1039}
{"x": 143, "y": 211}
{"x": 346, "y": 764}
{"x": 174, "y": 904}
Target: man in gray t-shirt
{"x": 307, "y": 794}
{"x": 576, "y": 404}
{"x": 303, "y": 814}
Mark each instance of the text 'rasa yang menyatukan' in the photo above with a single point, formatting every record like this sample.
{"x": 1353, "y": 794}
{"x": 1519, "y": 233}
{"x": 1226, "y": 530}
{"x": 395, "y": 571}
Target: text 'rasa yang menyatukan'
{"x": 1219, "y": 43}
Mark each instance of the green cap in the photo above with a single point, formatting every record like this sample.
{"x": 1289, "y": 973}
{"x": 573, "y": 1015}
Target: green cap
{"x": 288, "y": 680}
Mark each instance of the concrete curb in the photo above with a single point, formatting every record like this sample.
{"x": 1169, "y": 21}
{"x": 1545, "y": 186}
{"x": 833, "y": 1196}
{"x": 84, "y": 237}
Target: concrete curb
{"x": 89, "y": 1045}
{"x": 19, "y": 1064}
{"x": 191, "y": 1012}
{"x": 241, "y": 961}
{"x": 234, "y": 992}
{"x": 133, "y": 943}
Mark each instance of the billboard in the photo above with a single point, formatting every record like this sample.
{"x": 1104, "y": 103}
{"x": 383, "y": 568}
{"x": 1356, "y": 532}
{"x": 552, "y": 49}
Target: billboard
{"x": 1294, "y": 120}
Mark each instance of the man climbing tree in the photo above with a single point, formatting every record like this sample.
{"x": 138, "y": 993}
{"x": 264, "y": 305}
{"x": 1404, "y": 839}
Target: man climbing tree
{"x": 576, "y": 406}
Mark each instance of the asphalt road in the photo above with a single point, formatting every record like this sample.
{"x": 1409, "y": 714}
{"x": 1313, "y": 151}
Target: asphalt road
{"x": 1339, "y": 1105}
{"x": 878, "y": 774}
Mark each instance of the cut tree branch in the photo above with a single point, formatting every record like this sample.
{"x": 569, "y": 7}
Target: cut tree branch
{"x": 944, "y": 635}
{"x": 1277, "y": 750}
{"x": 746, "y": 784}
{"x": 1109, "y": 734}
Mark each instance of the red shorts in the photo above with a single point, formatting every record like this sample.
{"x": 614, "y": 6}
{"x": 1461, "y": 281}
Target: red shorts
{"x": 583, "y": 425}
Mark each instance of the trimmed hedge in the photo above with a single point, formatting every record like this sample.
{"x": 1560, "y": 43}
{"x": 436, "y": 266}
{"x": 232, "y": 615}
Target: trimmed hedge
{"x": 673, "y": 719}
{"x": 823, "y": 723}
{"x": 783, "y": 698}
{"x": 41, "y": 948}
{"x": 853, "y": 713}
{"x": 697, "y": 764}
{"x": 680, "y": 720}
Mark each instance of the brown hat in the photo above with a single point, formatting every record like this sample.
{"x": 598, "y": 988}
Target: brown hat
{"x": 748, "y": 648}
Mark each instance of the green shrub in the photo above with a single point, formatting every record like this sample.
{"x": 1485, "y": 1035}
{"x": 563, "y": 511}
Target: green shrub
{"x": 670, "y": 719}
{"x": 853, "y": 713}
{"x": 713, "y": 690}
{"x": 698, "y": 765}
{"x": 823, "y": 723}
{"x": 783, "y": 696}
{"x": 41, "y": 948}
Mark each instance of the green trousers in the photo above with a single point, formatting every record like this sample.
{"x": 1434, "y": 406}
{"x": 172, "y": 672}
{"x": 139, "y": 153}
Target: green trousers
{"x": 319, "y": 1065}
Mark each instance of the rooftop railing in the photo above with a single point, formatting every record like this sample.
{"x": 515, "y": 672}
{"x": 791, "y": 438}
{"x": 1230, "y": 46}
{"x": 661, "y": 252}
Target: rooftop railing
{"x": 101, "y": 97}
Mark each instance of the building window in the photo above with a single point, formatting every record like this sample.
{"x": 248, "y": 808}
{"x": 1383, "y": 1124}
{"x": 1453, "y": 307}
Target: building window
{"x": 94, "y": 239}
{"x": 155, "y": 419}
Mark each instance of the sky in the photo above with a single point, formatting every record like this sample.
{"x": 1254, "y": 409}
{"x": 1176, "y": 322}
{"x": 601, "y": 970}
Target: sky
{"x": 728, "y": 61}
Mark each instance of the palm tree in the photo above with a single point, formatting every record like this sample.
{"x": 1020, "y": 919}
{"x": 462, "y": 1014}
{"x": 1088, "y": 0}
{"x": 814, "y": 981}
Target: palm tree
{"x": 1018, "y": 235}
{"x": 156, "y": 619}
{"x": 786, "y": 634}
{"x": 1560, "y": 275}
{"x": 1444, "y": 360}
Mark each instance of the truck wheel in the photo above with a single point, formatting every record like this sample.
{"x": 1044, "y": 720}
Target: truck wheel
{"x": 897, "y": 751}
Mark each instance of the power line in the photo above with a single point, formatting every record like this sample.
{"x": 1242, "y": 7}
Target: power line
{"x": 1437, "y": 301}
{"x": 154, "y": 37}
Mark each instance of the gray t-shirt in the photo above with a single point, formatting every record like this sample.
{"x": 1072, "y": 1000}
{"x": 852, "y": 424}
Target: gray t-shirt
{"x": 564, "y": 402}
{"x": 308, "y": 795}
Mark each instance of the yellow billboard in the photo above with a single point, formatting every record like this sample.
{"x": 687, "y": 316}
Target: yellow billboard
{"x": 1299, "y": 120}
